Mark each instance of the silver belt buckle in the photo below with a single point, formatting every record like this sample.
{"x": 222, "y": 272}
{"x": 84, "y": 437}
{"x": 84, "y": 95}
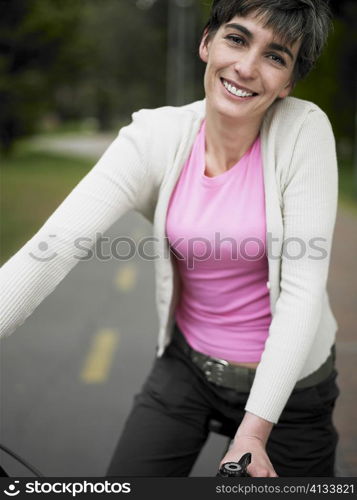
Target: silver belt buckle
{"x": 214, "y": 368}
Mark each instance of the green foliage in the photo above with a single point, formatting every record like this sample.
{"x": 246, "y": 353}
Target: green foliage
{"x": 78, "y": 59}
{"x": 37, "y": 42}
{"x": 347, "y": 186}
{"x": 332, "y": 84}
{"x": 107, "y": 58}
{"x": 126, "y": 67}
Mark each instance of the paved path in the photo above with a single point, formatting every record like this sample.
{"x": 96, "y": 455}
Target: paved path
{"x": 342, "y": 286}
{"x": 90, "y": 145}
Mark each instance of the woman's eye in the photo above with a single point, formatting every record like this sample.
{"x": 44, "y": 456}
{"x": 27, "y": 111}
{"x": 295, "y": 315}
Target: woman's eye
{"x": 277, "y": 59}
{"x": 236, "y": 39}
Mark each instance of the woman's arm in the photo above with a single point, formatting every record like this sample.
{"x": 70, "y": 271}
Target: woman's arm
{"x": 309, "y": 211}
{"x": 116, "y": 184}
{"x": 254, "y": 427}
{"x": 308, "y": 214}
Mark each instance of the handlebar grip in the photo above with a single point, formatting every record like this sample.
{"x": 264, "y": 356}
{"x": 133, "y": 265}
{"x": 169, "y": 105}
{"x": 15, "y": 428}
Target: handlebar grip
{"x": 236, "y": 469}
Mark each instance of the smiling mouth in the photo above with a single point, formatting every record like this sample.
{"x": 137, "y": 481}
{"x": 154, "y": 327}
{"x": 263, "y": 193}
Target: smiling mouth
{"x": 236, "y": 91}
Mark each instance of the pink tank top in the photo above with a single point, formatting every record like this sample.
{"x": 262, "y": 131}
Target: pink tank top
{"x": 217, "y": 234}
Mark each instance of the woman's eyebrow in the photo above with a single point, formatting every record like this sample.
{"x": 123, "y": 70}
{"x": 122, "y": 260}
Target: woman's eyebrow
{"x": 281, "y": 48}
{"x": 239, "y": 27}
{"x": 249, "y": 34}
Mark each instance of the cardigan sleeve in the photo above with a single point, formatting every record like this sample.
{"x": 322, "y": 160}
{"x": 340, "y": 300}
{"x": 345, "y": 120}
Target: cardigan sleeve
{"x": 112, "y": 187}
{"x": 309, "y": 213}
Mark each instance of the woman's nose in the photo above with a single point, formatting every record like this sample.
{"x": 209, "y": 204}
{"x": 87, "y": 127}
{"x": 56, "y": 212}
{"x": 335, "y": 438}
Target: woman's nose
{"x": 247, "y": 65}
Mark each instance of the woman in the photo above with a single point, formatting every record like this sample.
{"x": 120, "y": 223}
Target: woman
{"x": 246, "y": 331}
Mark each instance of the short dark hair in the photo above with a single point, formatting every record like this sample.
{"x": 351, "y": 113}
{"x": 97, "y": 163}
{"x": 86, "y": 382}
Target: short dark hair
{"x": 307, "y": 20}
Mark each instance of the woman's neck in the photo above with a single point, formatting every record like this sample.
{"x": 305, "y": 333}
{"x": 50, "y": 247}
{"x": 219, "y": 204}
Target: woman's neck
{"x": 227, "y": 140}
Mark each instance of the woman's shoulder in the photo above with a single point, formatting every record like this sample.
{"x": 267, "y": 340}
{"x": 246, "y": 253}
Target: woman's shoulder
{"x": 297, "y": 104}
{"x": 292, "y": 109}
{"x": 167, "y": 125}
{"x": 163, "y": 113}
{"x": 286, "y": 118}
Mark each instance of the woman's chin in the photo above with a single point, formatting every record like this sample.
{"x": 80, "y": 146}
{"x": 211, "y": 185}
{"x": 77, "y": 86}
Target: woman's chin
{"x": 229, "y": 110}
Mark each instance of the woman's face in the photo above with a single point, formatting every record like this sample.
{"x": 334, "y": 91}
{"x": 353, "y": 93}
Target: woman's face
{"x": 248, "y": 68}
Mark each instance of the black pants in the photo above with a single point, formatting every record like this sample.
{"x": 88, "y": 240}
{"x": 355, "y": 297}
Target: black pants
{"x": 169, "y": 423}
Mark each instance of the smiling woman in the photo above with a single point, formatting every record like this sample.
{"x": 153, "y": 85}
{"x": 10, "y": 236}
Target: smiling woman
{"x": 240, "y": 187}
{"x": 305, "y": 20}
{"x": 255, "y": 68}
{"x": 290, "y": 37}
{"x": 255, "y": 51}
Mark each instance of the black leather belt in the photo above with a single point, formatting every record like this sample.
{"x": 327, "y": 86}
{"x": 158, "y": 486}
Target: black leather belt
{"x": 224, "y": 374}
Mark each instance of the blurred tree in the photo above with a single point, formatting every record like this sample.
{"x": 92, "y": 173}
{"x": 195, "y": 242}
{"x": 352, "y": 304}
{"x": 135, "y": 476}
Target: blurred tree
{"x": 105, "y": 59}
{"x": 79, "y": 58}
{"x": 333, "y": 83}
{"x": 37, "y": 44}
{"x": 125, "y": 70}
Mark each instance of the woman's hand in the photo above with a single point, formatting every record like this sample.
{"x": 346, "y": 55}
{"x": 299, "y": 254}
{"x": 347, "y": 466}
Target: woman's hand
{"x": 251, "y": 437}
{"x": 260, "y": 465}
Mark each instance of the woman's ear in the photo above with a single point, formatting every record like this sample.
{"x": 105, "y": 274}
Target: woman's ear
{"x": 287, "y": 89}
{"x": 203, "y": 48}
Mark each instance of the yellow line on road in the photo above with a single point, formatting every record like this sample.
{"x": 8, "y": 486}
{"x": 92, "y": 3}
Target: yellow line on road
{"x": 125, "y": 279}
{"x": 98, "y": 362}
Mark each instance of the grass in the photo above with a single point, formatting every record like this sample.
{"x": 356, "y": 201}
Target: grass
{"x": 34, "y": 184}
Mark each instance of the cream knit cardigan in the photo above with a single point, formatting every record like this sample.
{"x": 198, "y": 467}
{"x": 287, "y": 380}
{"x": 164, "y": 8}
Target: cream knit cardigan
{"x": 139, "y": 171}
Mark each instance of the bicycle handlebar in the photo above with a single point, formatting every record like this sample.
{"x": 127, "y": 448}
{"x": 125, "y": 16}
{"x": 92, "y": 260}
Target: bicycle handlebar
{"x": 236, "y": 469}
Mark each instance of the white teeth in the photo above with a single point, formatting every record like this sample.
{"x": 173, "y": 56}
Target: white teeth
{"x": 237, "y": 92}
